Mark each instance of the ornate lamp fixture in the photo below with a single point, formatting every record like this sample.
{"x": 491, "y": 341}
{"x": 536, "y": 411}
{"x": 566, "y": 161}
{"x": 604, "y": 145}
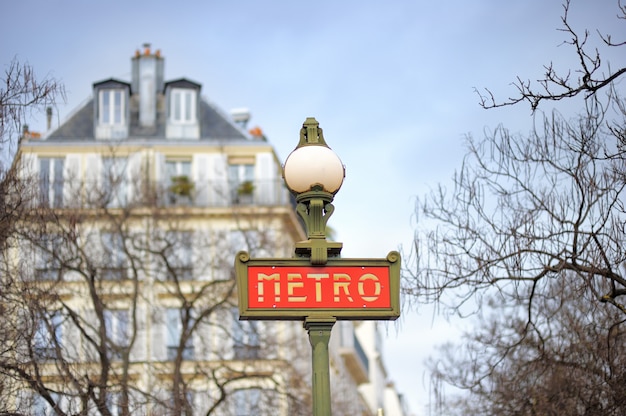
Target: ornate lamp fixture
{"x": 314, "y": 174}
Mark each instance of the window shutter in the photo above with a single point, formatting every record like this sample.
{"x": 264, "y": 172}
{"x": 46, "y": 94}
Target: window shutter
{"x": 201, "y": 339}
{"x": 200, "y": 168}
{"x": 72, "y": 181}
{"x": 29, "y": 165}
{"x": 158, "y": 334}
{"x": 134, "y": 176}
{"x": 93, "y": 179}
{"x": 71, "y": 340}
{"x": 209, "y": 173}
{"x": 219, "y": 179}
{"x": 138, "y": 351}
{"x": 91, "y": 324}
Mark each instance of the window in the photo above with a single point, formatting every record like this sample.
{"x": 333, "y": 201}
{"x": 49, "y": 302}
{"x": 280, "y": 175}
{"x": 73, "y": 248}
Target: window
{"x": 41, "y": 406}
{"x": 115, "y": 181}
{"x": 247, "y": 402}
{"x": 187, "y": 401}
{"x": 174, "y": 168}
{"x": 51, "y": 181}
{"x": 114, "y": 403}
{"x": 47, "y": 262}
{"x": 246, "y": 341}
{"x": 112, "y": 106}
{"x": 179, "y": 254}
{"x": 183, "y": 105}
{"x": 116, "y": 325}
{"x": 48, "y": 335}
{"x": 178, "y": 180}
{"x": 241, "y": 182}
{"x": 114, "y": 258}
{"x": 239, "y": 173}
{"x": 174, "y": 334}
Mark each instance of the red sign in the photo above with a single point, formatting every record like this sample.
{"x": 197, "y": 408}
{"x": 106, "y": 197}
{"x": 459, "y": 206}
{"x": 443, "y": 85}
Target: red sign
{"x": 294, "y": 289}
{"x": 306, "y": 287}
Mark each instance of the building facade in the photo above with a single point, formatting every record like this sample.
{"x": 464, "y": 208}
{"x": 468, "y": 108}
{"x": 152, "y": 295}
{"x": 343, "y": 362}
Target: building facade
{"x": 122, "y": 267}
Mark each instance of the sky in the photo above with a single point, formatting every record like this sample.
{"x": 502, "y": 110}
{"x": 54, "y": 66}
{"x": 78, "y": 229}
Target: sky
{"x": 391, "y": 83}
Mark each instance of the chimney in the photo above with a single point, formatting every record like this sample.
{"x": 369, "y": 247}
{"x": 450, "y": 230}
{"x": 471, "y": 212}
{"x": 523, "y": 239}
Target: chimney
{"x": 27, "y": 134}
{"x": 48, "y": 118}
{"x": 240, "y": 116}
{"x": 147, "y": 81}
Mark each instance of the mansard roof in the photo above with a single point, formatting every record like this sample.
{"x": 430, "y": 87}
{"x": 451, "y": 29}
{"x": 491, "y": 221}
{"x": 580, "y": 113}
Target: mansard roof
{"x": 147, "y": 78}
{"x": 79, "y": 126}
{"x": 214, "y": 125}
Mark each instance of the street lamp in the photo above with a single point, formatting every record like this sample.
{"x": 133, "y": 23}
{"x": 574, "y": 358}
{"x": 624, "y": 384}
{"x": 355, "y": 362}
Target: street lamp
{"x": 317, "y": 285}
{"x": 314, "y": 174}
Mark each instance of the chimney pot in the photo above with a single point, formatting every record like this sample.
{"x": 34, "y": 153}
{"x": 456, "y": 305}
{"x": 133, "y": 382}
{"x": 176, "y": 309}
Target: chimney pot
{"x": 147, "y": 83}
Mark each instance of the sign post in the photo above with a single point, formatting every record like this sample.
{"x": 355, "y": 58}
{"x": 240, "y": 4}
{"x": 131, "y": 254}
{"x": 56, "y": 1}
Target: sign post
{"x": 317, "y": 286}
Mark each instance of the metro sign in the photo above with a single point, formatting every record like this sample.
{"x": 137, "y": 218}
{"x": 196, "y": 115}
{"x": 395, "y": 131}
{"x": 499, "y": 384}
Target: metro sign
{"x": 294, "y": 289}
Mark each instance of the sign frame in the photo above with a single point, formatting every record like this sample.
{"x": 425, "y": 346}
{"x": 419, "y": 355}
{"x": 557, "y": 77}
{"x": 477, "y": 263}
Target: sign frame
{"x": 392, "y": 262}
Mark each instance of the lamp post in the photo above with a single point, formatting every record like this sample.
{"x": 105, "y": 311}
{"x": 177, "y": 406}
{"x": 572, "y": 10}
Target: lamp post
{"x": 317, "y": 286}
{"x": 314, "y": 174}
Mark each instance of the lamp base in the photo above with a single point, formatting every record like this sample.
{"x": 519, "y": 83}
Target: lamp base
{"x": 318, "y": 250}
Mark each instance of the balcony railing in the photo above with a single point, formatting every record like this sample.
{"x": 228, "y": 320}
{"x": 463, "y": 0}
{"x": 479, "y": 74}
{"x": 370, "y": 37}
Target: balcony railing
{"x": 48, "y": 273}
{"x": 114, "y": 273}
{"x": 187, "y": 352}
{"x": 182, "y": 273}
{"x": 142, "y": 193}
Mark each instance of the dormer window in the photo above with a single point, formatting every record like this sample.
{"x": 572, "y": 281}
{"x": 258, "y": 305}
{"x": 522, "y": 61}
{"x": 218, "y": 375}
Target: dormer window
{"x": 183, "y": 115}
{"x": 112, "y": 107}
{"x": 183, "y": 105}
{"x": 111, "y": 104}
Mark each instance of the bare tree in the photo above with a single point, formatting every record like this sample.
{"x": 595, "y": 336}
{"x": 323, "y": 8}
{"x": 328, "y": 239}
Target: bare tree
{"x": 533, "y": 227}
{"x": 118, "y": 307}
{"x": 529, "y": 241}
{"x": 21, "y": 94}
{"x": 525, "y": 209}
{"x": 590, "y": 76}
{"x": 570, "y": 361}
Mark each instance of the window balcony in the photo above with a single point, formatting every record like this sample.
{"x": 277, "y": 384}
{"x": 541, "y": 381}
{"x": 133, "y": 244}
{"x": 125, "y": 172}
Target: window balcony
{"x": 246, "y": 352}
{"x": 205, "y": 194}
{"x": 114, "y": 273}
{"x": 182, "y": 273}
{"x": 187, "y": 353}
{"x": 223, "y": 193}
{"x": 51, "y": 273}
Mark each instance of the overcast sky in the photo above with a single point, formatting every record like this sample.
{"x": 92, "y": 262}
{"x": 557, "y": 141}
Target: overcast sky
{"x": 391, "y": 83}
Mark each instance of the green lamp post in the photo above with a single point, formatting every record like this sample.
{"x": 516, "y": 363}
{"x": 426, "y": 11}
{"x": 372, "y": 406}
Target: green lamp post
{"x": 314, "y": 174}
{"x": 317, "y": 286}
